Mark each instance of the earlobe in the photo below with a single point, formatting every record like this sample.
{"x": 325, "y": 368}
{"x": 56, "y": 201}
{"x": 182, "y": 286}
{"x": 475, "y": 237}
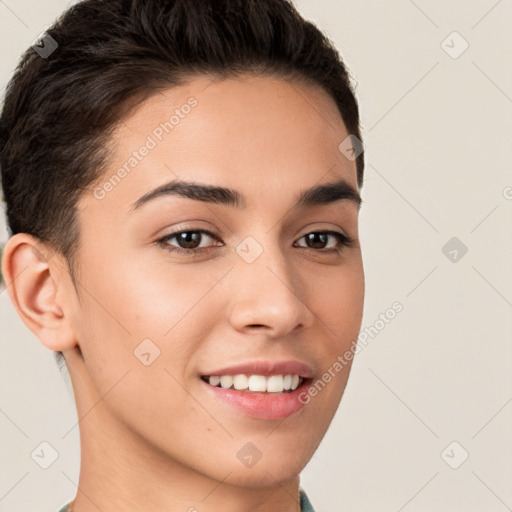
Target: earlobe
{"x": 36, "y": 288}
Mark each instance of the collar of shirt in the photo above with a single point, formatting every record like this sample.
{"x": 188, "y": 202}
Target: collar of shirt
{"x": 305, "y": 504}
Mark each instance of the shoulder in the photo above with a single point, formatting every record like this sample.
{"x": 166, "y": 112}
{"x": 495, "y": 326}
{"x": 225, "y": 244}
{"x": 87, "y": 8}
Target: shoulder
{"x": 65, "y": 508}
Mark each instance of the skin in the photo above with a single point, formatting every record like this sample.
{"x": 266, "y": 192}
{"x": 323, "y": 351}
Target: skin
{"x": 151, "y": 437}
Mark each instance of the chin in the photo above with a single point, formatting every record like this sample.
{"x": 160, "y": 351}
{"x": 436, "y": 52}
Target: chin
{"x": 268, "y": 475}
{"x": 273, "y": 468}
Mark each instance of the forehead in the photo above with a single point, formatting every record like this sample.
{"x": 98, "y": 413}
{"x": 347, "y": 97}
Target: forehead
{"x": 264, "y": 136}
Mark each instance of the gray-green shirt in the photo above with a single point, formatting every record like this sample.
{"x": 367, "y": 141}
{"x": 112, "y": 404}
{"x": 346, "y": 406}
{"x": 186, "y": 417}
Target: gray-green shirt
{"x": 305, "y": 505}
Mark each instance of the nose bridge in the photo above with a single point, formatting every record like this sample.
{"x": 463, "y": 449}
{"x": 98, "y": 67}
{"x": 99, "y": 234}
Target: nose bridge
{"x": 268, "y": 293}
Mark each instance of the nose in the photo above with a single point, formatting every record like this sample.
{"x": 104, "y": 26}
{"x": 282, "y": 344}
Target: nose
{"x": 269, "y": 295}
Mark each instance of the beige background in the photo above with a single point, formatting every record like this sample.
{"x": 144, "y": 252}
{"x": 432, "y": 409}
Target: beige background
{"x": 439, "y": 158}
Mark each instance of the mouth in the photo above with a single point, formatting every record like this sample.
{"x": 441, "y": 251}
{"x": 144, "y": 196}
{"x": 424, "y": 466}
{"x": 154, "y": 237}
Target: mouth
{"x": 261, "y": 397}
{"x": 271, "y": 384}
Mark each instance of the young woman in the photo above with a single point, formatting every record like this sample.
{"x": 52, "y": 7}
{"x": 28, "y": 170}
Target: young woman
{"x": 182, "y": 185}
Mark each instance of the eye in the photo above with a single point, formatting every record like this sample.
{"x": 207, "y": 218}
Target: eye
{"x": 189, "y": 241}
{"x": 321, "y": 238}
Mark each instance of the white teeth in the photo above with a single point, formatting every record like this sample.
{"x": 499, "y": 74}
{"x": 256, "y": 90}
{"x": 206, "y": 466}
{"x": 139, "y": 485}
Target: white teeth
{"x": 275, "y": 384}
{"x": 240, "y": 382}
{"x": 226, "y": 381}
{"x": 214, "y": 381}
{"x": 258, "y": 383}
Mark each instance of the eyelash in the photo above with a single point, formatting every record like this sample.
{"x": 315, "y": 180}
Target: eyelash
{"x": 344, "y": 241}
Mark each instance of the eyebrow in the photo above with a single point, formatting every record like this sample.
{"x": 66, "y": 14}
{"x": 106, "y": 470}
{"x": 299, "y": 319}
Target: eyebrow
{"x": 318, "y": 195}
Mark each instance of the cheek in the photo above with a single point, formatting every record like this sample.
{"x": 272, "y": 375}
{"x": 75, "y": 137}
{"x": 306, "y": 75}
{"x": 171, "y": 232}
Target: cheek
{"x": 138, "y": 336}
{"x": 143, "y": 297}
{"x": 132, "y": 307}
{"x": 338, "y": 303}
{"x": 338, "y": 299}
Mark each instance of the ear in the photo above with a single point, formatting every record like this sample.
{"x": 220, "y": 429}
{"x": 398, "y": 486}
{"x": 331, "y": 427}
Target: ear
{"x": 38, "y": 283}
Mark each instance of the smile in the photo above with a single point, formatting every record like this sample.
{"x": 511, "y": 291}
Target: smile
{"x": 256, "y": 383}
{"x": 261, "y": 397}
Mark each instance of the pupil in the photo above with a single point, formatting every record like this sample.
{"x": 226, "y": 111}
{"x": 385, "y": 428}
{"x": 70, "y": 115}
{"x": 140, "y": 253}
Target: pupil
{"x": 311, "y": 238}
{"x": 189, "y": 237}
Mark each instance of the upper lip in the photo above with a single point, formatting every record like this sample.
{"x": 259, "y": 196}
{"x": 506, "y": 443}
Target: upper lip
{"x": 265, "y": 368}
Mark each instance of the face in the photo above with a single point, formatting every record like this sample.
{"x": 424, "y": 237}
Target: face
{"x": 186, "y": 284}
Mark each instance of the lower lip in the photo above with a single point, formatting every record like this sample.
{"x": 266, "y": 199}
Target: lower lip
{"x": 265, "y": 406}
